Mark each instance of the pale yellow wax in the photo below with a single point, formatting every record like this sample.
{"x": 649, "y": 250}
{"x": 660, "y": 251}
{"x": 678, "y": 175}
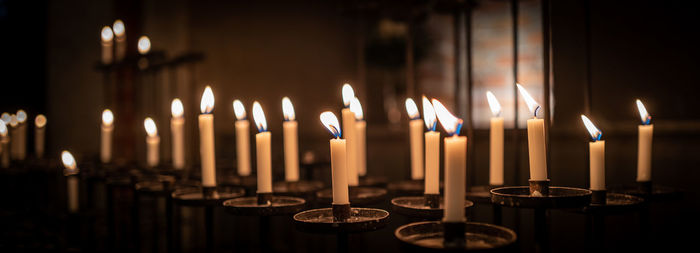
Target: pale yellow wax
{"x": 206, "y": 150}
{"x": 361, "y": 132}
{"x": 177, "y": 129}
{"x": 596, "y": 151}
{"x": 646, "y": 133}
{"x": 243, "y": 147}
{"x": 537, "y": 149}
{"x": 455, "y": 178}
{"x": 339, "y": 172}
{"x": 152, "y": 151}
{"x": 106, "y": 143}
{"x": 351, "y": 140}
{"x": 416, "y": 146}
{"x": 72, "y": 191}
{"x": 496, "y": 152}
{"x": 291, "y": 151}
{"x": 264, "y": 161}
{"x": 432, "y": 162}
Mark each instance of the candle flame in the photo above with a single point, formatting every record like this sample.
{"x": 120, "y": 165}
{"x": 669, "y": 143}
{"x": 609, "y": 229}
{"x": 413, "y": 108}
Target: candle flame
{"x": 118, "y": 28}
{"x": 449, "y": 122}
{"x": 40, "y": 121}
{"x": 330, "y": 121}
{"x": 21, "y": 116}
{"x": 6, "y": 117}
{"x": 207, "y": 104}
{"x": 107, "y": 34}
{"x": 356, "y": 108}
{"x": 592, "y": 129}
{"x": 3, "y": 128}
{"x": 107, "y": 117}
{"x": 288, "y": 109}
{"x": 493, "y": 103}
{"x": 429, "y": 114}
{"x": 259, "y": 117}
{"x": 144, "y": 45}
{"x": 150, "y": 126}
{"x": 176, "y": 108}
{"x": 643, "y": 114}
{"x": 13, "y": 120}
{"x": 68, "y": 160}
{"x": 348, "y": 94}
{"x": 239, "y": 110}
{"x": 531, "y": 103}
{"x": 412, "y": 109}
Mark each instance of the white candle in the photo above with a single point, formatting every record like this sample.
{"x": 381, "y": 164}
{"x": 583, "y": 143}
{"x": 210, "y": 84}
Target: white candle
{"x": 646, "y": 132}
{"x": 338, "y": 160}
{"x": 4, "y": 145}
{"x": 144, "y": 45}
{"x": 262, "y": 148}
{"x": 242, "y": 139}
{"x": 350, "y": 137}
{"x": 361, "y": 136}
{"x": 39, "y": 135}
{"x": 106, "y": 136}
{"x": 152, "y": 143}
{"x": 120, "y": 38}
{"x": 496, "y": 142}
{"x": 415, "y": 141}
{"x": 291, "y": 144}
{"x": 107, "y": 45}
{"x": 596, "y": 155}
{"x": 432, "y": 150}
{"x": 455, "y": 164}
{"x": 21, "y": 135}
{"x": 177, "y": 129}
{"x": 72, "y": 181}
{"x": 206, "y": 139}
{"x": 535, "y": 139}
{"x": 14, "y": 136}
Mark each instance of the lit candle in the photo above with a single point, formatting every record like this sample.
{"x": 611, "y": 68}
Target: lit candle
{"x": 361, "y": 133}
{"x": 350, "y": 136}
{"x": 242, "y": 139}
{"x": 21, "y": 135}
{"x": 338, "y": 160}
{"x": 106, "y": 136}
{"x": 144, "y": 45}
{"x": 596, "y": 149}
{"x": 39, "y": 135}
{"x": 646, "y": 132}
{"x": 432, "y": 149}
{"x": 14, "y": 136}
{"x": 4, "y": 144}
{"x": 72, "y": 181}
{"x": 455, "y": 164}
{"x": 152, "y": 142}
{"x": 177, "y": 128}
{"x": 496, "y": 142}
{"x": 291, "y": 145}
{"x": 120, "y": 38}
{"x": 206, "y": 139}
{"x": 416, "y": 143}
{"x": 107, "y": 45}
{"x": 535, "y": 139}
{"x": 262, "y": 150}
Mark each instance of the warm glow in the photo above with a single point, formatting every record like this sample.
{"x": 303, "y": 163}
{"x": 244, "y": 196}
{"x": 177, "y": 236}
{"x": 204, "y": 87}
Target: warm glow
{"x": 21, "y": 116}
{"x": 348, "y": 94}
{"x": 449, "y": 122}
{"x": 531, "y": 103}
{"x": 643, "y": 114}
{"x": 107, "y": 34}
{"x": 259, "y": 117}
{"x": 68, "y": 160}
{"x": 176, "y": 108}
{"x": 288, "y": 109}
{"x": 412, "y": 109}
{"x": 118, "y": 28}
{"x": 3, "y": 128}
{"x": 144, "y": 45}
{"x": 330, "y": 121}
{"x": 239, "y": 110}
{"x": 13, "y": 120}
{"x": 207, "y": 104}
{"x": 429, "y": 114}
{"x": 356, "y": 108}
{"x": 40, "y": 121}
{"x": 107, "y": 117}
{"x": 6, "y": 117}
{"x": 595, "y": 133}
{"x": 493, "y": 103}
{"x": 150, "y": 126}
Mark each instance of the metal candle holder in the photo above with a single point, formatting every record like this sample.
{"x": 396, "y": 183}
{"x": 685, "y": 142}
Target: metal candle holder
{"x": 341, "y": 219}
{"x": 455, "y": 237}
{"x": 265, "y": 204}
{"x": 301, "y": 189}
{"x": 359, "y": 195}
{"x": 429, "y": 206}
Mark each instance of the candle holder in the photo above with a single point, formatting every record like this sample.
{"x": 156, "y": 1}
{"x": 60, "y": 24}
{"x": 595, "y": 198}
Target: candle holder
{"x": 407, "y": 188}
{"x": 341, "y": 219}
{"x": 360, "y": 196}
{"x": 648, "y": 190}
{"x": 429, "y": 206}
{"x": 265, "y": 204}
{"x": 301, "y": 189}
{"x": 455, "y": 237}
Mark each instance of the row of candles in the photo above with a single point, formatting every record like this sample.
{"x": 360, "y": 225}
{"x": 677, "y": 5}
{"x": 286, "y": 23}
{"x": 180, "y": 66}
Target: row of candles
{"x": 114, "y": 43}
{"x": 17, "y": 132}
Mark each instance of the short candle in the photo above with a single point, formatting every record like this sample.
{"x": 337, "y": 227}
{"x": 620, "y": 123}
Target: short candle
{"x": 432, "y": 149}
{"x": 291, "y": 144}
{"x": 263, "y": 150}
{"x": 338, "y": 159}
{"x": 349, "y": 134}
{"x": 177, "y": 129}
{"x": 361, "y": 134}
{"x": 455, "y": 164}
{"x": 415, "y": 128}
{"x": 106, "y": 136}
{"x": 242, "y": 126}
{"x": 206, "y": 139}
{"x": 152, "y": 143}
{"x": 535, "y": 139}
{"x": 495, "y": 142}
{"x": 646, "y": 132}
{"x": 596, "y": 155}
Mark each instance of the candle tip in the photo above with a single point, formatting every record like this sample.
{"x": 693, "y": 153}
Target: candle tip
{"x": 595, "y": 133}
{"x": 144, "y": 45}
{"x": 356, "y": 108}
{"x": 107, "y": 117}
{"x": 207, "y": 103}
{"x": 40, "y": 120}
{"x": 412, "y": 109}
{"x": 176, "y": 108}
{"x": 288, "y": 109}
{"x": 330, "y": 121}
{"x": 348, "y": 94}
{"x": 643, "y": 114}
{"x": 239, "y": 110}
{"x": 429, "y": 114}
{"x": 259, "y": 117}
{"x": 449, "y": 122}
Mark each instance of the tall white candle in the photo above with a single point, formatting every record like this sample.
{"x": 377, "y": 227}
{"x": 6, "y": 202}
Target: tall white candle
{"x": 496, "y": 142}
{"x": 455, "y": 164}
{"x": 291, "y": 144}
{"x": 432, "y": 150}
{"x": 596, "y": 150}
{"x": 177, "y": 129}
{"x": 4, "y": 145}
{"x": 14, "y": 137}
{"x": 242, "y": 139}
{"x": 206, "y": 139}
{"x": 72, "y": 181}
{"x": 120, "y": 39}
{"x": 107, "y": 45}
{"x": 646, "y": 133}
{"x": 21, "y": 135}
{"x": 152, "y": 142}
{"x": 415, "y": 128}
{"x": 338, "y": 160}
{"x": 349, "y": 134}
{"x": 262, "y": 150}
{"x": 361, "y": 136}
{"x": 39, "y": 135}
{"x": 106, "y": 136}
{"x": 535, "y": 139}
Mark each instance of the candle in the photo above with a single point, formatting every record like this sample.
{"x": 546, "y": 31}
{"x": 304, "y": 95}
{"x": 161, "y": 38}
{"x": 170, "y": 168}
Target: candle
{"x": 535, "y": 139}
{"x": 496, "y": 142}
{"x": 107, "y": 44}
{"x": 350, "y": 137}
{"x": 646, "y": 131}
{"x": 262, "y": 150}
{"x": 596, "y": 149}
{"x": 106, "y": 136}
{"x": 432, "y": 150}
{"x": 4, "y": 144}
{"x": 72, "y": 181}
{"x": 416, "y": 143}
{"x": 361, "y": 134}
{"x": 455, "y": 164}
{"x": 291, "y": 145}
{"x": 152, "y": 142}
{"x": 144, "y": 45}
{"x": 177, "y": 129}
{"x": 339, "y": 172}
{"x": 21, "y": 135}
{"x": 39, "y": 133}
{"x": 14, "y": 137}
{"x": 120, "y": 38}
{"x": 242, "y": 139}
{"x": 206, "y": 139}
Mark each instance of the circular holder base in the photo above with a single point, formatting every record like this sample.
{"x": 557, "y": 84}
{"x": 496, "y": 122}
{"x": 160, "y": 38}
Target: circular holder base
{"x": 359, "y": 196}
{"x": 615, "y": 203}
{"x": 480, "y": 194}
{"x": 278, "y": 205}
{"x": 429, "y": 235}
{"x": 301, "y": 189}
{"x": 416, "y": 206}
{"x": 370, "y": 181}
{"x": 558, "y": 197}
{"x": 249, "y": 183}
{"x": 321, "y": 220}
{"x": 407, "y": 188}
{"x": 658, "y": 192}
{"x": 162, "y": 185}
{"x": 199, "y": 196}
